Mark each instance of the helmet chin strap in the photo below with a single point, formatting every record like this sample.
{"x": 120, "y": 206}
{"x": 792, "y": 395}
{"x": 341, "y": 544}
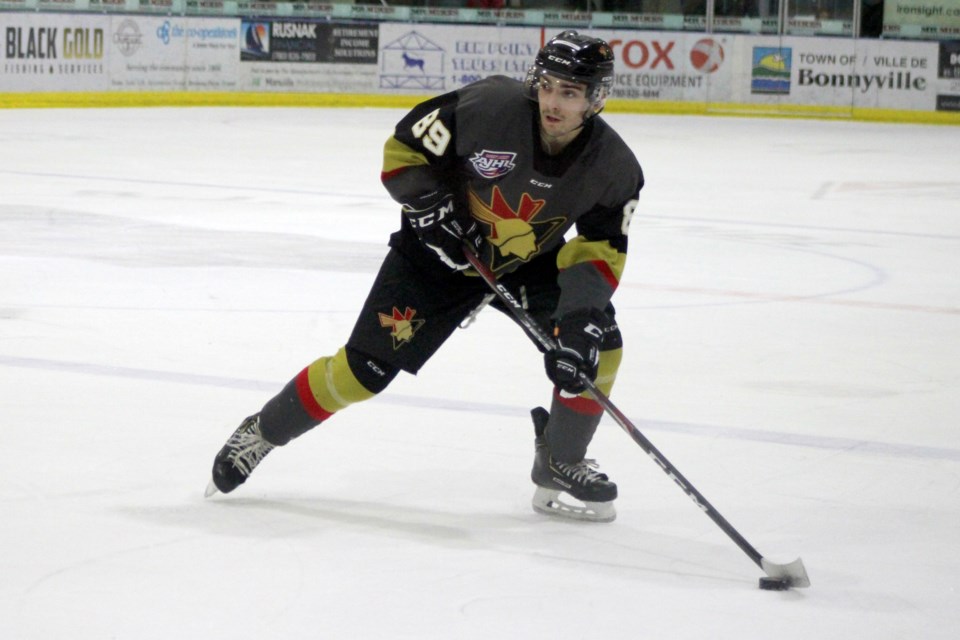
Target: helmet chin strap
{"x": 602, "y": 101}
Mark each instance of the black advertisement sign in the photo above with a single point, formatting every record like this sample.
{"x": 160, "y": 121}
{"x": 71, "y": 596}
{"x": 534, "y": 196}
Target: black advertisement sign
{"x": 308, "y": 41}
{"x": 949, "y": 67}
{"x": 948, "y": 103}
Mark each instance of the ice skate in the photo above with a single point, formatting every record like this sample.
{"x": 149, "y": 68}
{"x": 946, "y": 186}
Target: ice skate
{"x": 238, "y": 457}
{"x": 580, "y": 481}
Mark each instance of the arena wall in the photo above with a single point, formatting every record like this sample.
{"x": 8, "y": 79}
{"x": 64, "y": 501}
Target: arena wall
{"x": 85, "y": 59}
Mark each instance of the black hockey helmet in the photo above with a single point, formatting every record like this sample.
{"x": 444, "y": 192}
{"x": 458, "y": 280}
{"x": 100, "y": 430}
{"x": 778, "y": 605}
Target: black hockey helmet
{"x": 578, "y": 58}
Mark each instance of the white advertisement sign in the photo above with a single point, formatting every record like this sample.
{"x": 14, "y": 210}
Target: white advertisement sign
{"x": 671, "y": 65}
{"x": 51, "y": 52}
{"x": 174, "y": 54}
{"x": 435, "y": 58}
{"x": 840, "y": 72}
{"x": 652, "y": 66}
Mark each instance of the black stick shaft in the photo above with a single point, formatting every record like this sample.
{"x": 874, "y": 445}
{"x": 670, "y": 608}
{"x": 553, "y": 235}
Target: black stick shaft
{"x": 524, "y": 317}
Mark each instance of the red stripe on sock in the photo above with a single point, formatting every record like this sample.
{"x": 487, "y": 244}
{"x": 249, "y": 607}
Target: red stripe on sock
{"x": 579, "y": 404}
{"x": 607, "y": 273}
{"x": 309, "y": 402}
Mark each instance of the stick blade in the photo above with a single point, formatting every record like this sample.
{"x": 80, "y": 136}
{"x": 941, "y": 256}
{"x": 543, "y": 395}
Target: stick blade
{"x": 794, "y": 573}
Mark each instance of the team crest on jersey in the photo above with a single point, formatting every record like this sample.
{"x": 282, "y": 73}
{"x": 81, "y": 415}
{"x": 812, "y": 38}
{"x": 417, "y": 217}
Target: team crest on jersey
{"x": 402, "y": 325}
{"x": 493, "y": 164}
{"x": 515, "y": 232}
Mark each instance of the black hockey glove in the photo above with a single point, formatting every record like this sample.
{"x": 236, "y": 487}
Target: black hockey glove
{"x": 444, "y": 227}
{"x": 579, "y": 334}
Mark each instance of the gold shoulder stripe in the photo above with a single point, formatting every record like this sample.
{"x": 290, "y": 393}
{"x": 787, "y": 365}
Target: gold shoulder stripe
{"x": 397, "y": 155}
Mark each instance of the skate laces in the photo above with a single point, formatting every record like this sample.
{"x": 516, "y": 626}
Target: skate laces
{"x": 584, "y": 471}
{"x": 248, "y": 448}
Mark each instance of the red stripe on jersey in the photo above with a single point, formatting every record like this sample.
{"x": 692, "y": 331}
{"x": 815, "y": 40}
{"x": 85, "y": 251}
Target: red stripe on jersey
{"x": 386, "y": 175}
{"x": 579, "y": 404}
{"x": 307, "y": 399}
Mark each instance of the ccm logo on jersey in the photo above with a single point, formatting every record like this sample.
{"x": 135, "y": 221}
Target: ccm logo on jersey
{"x": 493, "y": 164}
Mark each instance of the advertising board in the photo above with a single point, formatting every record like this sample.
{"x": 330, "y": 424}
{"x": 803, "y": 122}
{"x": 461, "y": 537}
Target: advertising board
{"x": 70, "y": 52}
{"x": 153, "y": 53}
{"x": 417, "y": 58}
{"x": 54, "y": 52}
{"x": 650, "y": 65}
{"x": 841, "y": 72}
{"x": 290, "y": 55}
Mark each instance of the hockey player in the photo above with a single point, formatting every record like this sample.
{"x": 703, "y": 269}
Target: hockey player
{"x": 505, "y": 168}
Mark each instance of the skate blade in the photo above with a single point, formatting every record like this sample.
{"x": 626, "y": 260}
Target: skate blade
{"x": 211, "y": 489}
{"x": 548, "y": 502}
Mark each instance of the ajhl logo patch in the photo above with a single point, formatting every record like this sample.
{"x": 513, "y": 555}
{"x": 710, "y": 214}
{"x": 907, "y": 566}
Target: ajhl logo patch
{"x": 493, "y": 164}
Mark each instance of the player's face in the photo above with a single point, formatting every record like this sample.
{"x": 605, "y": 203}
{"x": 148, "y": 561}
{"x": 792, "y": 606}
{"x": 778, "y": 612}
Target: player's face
{"x": 563, "y": 104}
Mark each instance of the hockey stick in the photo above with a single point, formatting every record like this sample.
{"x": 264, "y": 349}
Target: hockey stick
{"x": 779, "y": 576}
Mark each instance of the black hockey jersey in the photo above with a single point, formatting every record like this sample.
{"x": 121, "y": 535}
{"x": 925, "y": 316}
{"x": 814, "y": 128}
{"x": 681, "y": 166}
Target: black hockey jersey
{"x": 482, "y": 143}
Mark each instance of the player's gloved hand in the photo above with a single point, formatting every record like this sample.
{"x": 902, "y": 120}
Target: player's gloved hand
{"x": 444, "y": 227}
{"x": 579, "y": 334}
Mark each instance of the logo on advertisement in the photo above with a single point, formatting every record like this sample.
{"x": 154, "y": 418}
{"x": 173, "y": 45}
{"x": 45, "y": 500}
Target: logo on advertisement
{"x": 169, "y": 31}
{"x": 294, "y": 30}
{"x": 949, "y": 67}
{"x": 127, "y": 37}
{"x": 31, "y": 43}
{"x": 493, "y": 164}
{"x": 771, "y": 70}
{"x": 639, "y": 54}
{"x": 80, "y": 43}
{"x": 412, "y": 61}
{"x": 163, "y": 32}
{"x": 83, "y": 44}
{"x": 256, "y": 39}
{"x": 706, "y": 55}
{"x": 402, "y": 325}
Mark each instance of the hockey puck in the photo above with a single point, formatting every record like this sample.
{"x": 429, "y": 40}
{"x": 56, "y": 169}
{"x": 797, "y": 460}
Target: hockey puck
{"x": 774, "y": 584}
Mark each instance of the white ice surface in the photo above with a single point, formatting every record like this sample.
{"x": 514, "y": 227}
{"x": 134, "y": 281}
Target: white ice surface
{"x": 791, "y": 312}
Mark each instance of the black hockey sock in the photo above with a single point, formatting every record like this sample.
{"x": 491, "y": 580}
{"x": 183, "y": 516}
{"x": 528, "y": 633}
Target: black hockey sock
{"x": 320, "y": 390}
{"x": 573, "y": 421}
